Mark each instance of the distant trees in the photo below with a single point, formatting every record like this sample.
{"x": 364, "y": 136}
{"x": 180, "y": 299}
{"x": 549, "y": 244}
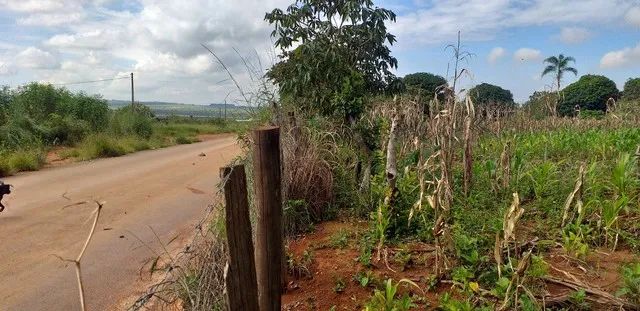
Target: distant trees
{"x": 590, "y": 92}
{"x": 423, "y": 83}
{"x": 558, "y": 66}
{"x": 541, "y": 104}
{"x": 342, "y": 54}
{"x": 489, "y": 95}
{"x": 631, "y": 90}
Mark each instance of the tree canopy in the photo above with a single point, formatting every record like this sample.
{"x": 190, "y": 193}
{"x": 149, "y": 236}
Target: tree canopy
{"x": 590, "y": 92}
{"x": 486, "y": 94}
{"x": 424, "y": 82}
{"x": 342, "y": 54}
{"x": 631, "y": 90}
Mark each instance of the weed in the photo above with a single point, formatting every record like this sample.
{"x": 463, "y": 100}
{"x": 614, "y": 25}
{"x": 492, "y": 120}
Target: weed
{"x": 339, "y": 239}
{"x": 388, "y": 300}
{"x": 631, "y": 282}
{"x": 339, "y": 285}
{"x": 579, "y": 300}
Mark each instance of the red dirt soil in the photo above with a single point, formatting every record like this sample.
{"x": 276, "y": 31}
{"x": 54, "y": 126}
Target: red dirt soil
{"x": 332, "y": 264}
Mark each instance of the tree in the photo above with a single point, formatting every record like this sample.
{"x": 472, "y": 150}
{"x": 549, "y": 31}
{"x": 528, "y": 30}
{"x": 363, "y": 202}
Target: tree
{"x": 590, "y": 92}
{"x": 342, "y": 54}
{"x": 559, "y": 65}
{"x": 631, "y": 90}
{"x": 423, "y": 82}
{"x": 489, "y": 95}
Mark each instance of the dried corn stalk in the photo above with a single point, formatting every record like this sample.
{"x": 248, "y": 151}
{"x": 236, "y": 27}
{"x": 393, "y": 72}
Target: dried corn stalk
{"x": 576, "y": 195}
{"x": 511, "y": 219}
{"x": 505, "y": 164}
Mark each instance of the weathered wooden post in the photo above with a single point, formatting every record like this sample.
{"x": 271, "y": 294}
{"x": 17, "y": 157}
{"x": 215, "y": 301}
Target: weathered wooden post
{"x": 269, "y": 231}
{"x": 240, "y": 273}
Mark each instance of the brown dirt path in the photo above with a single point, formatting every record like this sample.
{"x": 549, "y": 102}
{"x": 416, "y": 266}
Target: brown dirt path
{"x": 167, "y": 190}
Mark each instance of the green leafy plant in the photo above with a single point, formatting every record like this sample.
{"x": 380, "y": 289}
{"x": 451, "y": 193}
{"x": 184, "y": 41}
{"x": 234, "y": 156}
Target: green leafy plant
{"x": 388, "y": 300}
{"x": 339, "y": 285}
{"x": 579, "y": 300}
{"x": 630, "y": 282}
{"x": 339, "y": 239}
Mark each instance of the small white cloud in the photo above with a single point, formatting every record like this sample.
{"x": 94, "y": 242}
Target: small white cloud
{"x": 573, "y": 35}
{"x": 624, "y": 57}
{"x": 30, "y": 6}
{"x": 633, "y": 16}
{"x": 37, "y": 59}
{"x": 51, "y": 19}
{"x": 527, "y": 54}
{"x": 7, "y": 69}
{"x": 495, "y": 54}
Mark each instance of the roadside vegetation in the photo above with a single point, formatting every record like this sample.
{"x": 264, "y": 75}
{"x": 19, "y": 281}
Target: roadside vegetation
{"x": 37, "y": 119}
{"x": 405, "y": 193}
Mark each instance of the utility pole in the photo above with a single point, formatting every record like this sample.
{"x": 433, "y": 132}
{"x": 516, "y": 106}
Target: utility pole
{"x": 132, "y": 90}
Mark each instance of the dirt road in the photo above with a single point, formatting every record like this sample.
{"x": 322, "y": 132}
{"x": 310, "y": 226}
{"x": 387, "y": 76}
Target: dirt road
{"x": 167, "y": 190}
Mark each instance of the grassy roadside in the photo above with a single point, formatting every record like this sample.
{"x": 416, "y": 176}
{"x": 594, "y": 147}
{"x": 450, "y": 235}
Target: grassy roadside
{"x": 165, "y": 133}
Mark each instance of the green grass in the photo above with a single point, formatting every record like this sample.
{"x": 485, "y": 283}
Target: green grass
{"x": 21, "y": 160}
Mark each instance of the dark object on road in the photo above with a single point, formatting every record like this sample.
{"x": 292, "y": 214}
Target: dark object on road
{"x": 4, "y": 189}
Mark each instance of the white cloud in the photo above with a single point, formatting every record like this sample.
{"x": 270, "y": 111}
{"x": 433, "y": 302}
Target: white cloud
{"x": 7, "y": 69}
{"x": 624, "y": 57}
{"x": 30, "y": 6}
{"x": 495, "y": 54}
{"x": 633, "y": 16}
{"x": 527, "y": 54}
{"x": 573, "y": 35}
{"x": 51, "y": 19}
{"x": 480, "y": 20}
{"x": 35, "y": 58}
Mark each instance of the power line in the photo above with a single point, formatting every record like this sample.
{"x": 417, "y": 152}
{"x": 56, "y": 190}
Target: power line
{"x": 93, "y": 81}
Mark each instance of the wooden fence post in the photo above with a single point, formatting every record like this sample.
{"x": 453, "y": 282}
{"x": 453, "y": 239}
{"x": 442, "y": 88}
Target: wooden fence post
{"x": 240, "y": 273}
{"x": 269, "y": 232}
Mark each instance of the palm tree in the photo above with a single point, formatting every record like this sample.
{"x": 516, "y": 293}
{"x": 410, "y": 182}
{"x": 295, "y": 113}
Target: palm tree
{"x": 559, "y": 65}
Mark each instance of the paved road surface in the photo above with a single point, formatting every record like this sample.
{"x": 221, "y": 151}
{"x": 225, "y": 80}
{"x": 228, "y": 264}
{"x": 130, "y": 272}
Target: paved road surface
{"x": 167, "y": 189}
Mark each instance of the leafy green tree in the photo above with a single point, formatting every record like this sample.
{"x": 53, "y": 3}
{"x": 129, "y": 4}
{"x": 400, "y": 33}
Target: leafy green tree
{"x": 423, "y": 82}
{"x": 559, "y": 66}
{"x": 590, "y": 92}
{"x": 37, "y": 101}
{"x": 487, "y": 94}
{"x": 631, "y": 90}
{"x": 342, "y": 54}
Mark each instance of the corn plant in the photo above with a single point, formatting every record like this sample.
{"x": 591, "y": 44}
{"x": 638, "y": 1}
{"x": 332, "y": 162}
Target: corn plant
{"x": 388, "y": 298}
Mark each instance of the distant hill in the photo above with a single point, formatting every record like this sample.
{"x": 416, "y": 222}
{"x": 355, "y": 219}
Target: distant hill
{"x": 180, "y": 109}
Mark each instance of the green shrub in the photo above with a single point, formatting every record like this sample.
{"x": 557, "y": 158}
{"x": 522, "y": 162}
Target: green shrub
{"x": 631, "y": 90}
{"x": 136, "y": 120}
{"x": 65, "y": 130}
{"x": 591, "y": 92}
{"x": 101, "y": 146}
{"x": 25, "y": 160}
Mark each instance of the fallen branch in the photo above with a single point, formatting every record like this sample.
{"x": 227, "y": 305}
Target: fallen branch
{"x": 601, "y": 296}
{"x": 76, "y": 261}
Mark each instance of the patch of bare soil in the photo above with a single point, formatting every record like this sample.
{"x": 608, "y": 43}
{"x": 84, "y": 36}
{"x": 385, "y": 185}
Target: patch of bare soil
{"x": 54, "y": 158}
{"x": 333, "y": 272}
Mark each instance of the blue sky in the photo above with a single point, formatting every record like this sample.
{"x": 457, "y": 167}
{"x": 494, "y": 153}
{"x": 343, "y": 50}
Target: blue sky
{"x": 61, "y": 41}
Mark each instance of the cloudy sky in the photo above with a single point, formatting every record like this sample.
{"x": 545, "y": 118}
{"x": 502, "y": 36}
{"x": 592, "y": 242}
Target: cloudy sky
{"x": 62, "y": 41}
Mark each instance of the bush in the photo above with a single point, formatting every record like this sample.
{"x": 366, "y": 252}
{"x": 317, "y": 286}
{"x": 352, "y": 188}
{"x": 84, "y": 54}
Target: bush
{"x": 101, "y": 146}
{"x": 25, "y": 160}
{"x": 631, "y": 90}
{"x": 136, "y": 120}
{"x": 92, "y": 109}
{"x": 591, "y": 92}
{"x": 65, "y": 130}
